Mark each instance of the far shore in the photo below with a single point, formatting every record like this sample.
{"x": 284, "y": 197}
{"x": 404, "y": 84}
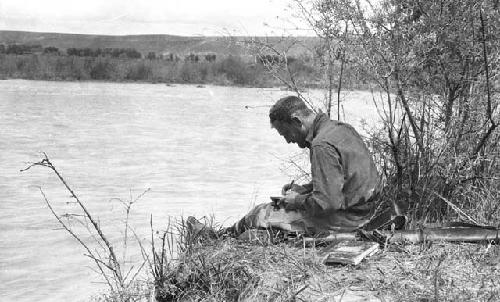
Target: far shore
{"x": 227, "y": 71}
{"x": 365, "y": 87}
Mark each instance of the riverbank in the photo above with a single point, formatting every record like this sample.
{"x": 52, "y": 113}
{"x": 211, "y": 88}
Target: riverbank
{"x": 228, "y": 71}
{"x": 231, "y": 270}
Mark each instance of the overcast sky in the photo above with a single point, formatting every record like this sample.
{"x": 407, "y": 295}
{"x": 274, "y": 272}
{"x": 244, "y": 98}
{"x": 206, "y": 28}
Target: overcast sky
{"x": 121, "y": 17}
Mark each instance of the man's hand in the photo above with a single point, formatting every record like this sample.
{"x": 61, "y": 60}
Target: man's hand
{"x": 291, "y": 187}
{"x": 290, "y": 203}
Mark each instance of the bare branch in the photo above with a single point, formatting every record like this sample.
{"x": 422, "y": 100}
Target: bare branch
{"x": 273, "y": 68}
{"x": 456, "y": 208}
{"x": 83, "y": 244}
{"x": 45, "y": 162}
{"x": 489, "y": 116}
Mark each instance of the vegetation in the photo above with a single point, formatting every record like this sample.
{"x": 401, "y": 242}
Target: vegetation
{"x": 183, "y": 263}
{"x": 436, "y": 67}
{"x": 231, "y": 70}
{"x": 230, "y": 270}
{"x": 85, "y": 228}
{"x": 127, "y": 64}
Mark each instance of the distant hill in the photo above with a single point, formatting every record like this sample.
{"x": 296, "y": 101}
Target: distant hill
{"x": 157, "y": 43}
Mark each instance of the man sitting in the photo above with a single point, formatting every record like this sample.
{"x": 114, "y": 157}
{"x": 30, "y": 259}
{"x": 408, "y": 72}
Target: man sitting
{"x": 344, "y": 177}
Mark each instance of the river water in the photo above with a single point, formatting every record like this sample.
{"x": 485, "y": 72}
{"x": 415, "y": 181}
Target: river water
{"x": 201, "y": 151}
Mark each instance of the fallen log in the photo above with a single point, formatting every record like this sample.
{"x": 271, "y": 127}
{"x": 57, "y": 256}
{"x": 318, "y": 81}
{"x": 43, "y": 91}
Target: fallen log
{"x": 448, "y": 234}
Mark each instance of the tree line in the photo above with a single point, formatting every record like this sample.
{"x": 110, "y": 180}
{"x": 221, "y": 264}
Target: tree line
{"x": 229, "y": 70}
{"x": 22, "y": 49}
{"x": 127, "y": 64}
{"x": 125, "y": 53}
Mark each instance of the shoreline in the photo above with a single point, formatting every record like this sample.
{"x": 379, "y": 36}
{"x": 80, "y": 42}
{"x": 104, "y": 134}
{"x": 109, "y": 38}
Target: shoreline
{"x": 366, "y": 88}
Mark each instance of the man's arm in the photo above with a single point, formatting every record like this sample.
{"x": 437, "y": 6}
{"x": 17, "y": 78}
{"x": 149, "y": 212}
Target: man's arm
{"x": 308, "y": 187}
{"x": 327, "y": 181}
{"x": 301, "y": 189}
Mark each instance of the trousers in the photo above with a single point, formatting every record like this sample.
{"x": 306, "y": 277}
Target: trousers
{"x": 266, "y": 216}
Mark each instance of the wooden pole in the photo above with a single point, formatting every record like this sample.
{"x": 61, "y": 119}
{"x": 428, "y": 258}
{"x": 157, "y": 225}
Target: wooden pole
{"x": 448, "y": 234}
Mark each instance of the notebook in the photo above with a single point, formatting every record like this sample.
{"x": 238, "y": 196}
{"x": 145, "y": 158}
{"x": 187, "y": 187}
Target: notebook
{"x": 349, "y": 252}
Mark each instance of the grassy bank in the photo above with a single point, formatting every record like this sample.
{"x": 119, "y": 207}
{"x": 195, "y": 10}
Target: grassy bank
{"x": 230, "y": 270}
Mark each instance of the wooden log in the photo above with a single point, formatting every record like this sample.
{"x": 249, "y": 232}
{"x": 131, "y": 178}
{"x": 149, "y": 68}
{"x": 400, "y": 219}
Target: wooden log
{"x": 449, "y": 234}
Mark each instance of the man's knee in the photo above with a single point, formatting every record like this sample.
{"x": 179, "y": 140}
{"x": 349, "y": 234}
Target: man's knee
{"x": 252, "y": 219}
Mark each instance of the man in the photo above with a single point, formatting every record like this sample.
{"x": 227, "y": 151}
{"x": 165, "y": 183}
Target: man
{"x": 344, "y": 177}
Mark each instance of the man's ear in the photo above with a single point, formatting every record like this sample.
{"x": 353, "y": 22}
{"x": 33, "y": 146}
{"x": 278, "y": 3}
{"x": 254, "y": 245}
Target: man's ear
{"x": 296, "y": 119}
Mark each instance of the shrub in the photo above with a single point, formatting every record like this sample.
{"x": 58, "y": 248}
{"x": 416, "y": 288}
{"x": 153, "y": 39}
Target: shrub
{"x": 435, "y": 64}
{"x": 140, "y": 71}
{"x": 102, "y": 70}
{"x": 189, "y": 73}
{"x": 235, "y": 70}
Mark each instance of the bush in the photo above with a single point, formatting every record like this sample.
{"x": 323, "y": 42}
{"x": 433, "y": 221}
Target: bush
{"x": 189, "y": 73}
{"x": 435, "y": 63}
{"x": 235, "y": 70}
{"x": 102, "y": 70}
{"x": 139, "y": 72}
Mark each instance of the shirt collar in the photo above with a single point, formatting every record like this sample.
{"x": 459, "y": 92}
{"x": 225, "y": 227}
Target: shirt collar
{"x": 318, "y": 120}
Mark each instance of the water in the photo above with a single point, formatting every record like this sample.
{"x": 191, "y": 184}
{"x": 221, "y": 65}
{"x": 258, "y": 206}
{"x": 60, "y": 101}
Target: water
{"x": 199, "y": 150}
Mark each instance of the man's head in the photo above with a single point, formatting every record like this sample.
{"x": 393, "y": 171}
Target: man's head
{"x": 291, "y": 117}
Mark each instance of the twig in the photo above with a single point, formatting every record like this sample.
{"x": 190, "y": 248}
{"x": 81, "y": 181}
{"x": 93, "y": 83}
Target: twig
{"x": 46, "y": 163}
{"x": 489, "y": 111}
{"x": 275, "y": 74}
{"x": 143, "y": 251}
{"x": 128, "y": 207}
{"x": 136, "y": 273}
{"x": 436, "y": 278}
{"x": 299, "y": 291}
{"x": 455, "y": 208}
{"x": 90, "y": 254}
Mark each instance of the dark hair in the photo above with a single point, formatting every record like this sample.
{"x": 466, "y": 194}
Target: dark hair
{"x": 285, "y": 107}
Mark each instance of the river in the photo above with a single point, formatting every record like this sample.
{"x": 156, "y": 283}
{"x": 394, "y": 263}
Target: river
{"x": 200, "y": 150}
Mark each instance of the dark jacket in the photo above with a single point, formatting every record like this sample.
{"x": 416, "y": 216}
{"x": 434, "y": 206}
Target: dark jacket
{"x": 344, "y": 176}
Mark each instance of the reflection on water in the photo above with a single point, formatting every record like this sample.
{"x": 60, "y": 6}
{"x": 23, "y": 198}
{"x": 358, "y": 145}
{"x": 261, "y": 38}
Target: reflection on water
{"x": 198, "y": 149}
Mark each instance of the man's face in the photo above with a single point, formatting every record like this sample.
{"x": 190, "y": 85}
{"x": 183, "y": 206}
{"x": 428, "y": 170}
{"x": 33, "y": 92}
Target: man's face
{"x": 292, "y": 132}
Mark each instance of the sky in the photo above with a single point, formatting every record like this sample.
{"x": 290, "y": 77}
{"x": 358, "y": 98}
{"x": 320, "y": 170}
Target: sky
{"x": 127, "y": 17}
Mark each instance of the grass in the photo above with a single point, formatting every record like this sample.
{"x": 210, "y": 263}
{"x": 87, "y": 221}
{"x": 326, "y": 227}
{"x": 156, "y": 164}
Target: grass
{"x": 231, "y": 270}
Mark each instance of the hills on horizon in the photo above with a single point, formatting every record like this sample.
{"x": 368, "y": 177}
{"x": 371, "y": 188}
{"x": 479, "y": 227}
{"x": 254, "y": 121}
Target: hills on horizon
{"x": 159, "y": 43}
